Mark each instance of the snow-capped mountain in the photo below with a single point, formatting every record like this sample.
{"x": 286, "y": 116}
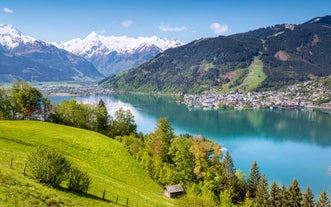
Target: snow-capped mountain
{"x": 113, "y": 54}
{"x": 11, "y": 38}
{"x": 25, "y": 58}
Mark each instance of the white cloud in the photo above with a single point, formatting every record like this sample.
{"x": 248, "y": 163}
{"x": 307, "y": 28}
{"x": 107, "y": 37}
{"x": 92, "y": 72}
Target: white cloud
{"x": 168, "y": 28}
{"x": 7, "y": 10}
{"x": 218, "y": 28}
{"x": 126, "y": 23}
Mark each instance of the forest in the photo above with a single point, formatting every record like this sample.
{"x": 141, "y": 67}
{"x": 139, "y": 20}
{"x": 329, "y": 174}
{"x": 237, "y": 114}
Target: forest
{"x": 204, "y": 169}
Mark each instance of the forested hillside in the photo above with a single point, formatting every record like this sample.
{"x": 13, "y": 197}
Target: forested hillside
{"x": 289, "y": 54}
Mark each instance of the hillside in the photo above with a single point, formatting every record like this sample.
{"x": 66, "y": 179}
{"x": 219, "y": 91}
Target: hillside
{"x": 287, "y": 53}
{"x": 25, "y": 58}
{"x": 107, "y": 161}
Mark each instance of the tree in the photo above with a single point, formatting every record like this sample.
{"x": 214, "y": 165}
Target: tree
{"x": 164, "y": 131}
{"x": 228, "y": 164}
{"x": 295, "y": 195}
{"x": 201, "y": 151}
{"x": 308, "y": 198}
{"x": 182, "y": 159}
{"x": 124, "y": 123}
{"x": 3, "y": 107}
{"x": 253, "y": 180}
{"x": 102, "y": 118}
{"x": 159, "y": 141}
{"x": 75, "y": 114}
{"x": 323, "y": 200}
{"x": 47, "y": 108}
{"x": 226, "y": 199}
{"x": 32, "y": 102}
{"x": 248, "y": 202}
{"x": 79, "y": 181}
{"x": 232, "y": 181}
{"x": 262, "y": 195}
{"x": 25, "y": 100}
{"x": 48, "y": 166}
{"x": 285, "y": 196}
{"x": 275, "y": 197}
{"x": 242, "y": 185}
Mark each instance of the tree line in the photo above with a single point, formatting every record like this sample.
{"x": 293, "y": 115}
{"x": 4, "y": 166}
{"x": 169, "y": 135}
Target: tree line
{"x": 24, "y": 102}
{"x": 208, "y": 174}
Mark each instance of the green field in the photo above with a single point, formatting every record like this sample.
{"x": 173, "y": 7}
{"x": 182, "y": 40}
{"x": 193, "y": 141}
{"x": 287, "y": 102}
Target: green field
{"x": 108, "y": 163}
{"x": 246, "y": 79}
{"x": 255, "y": 76}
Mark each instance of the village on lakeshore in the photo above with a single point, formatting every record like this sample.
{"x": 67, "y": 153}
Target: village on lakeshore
{"x": 302, "y": 95}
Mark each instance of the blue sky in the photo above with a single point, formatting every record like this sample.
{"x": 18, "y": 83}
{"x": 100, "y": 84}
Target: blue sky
{"x": 62, "y": 20}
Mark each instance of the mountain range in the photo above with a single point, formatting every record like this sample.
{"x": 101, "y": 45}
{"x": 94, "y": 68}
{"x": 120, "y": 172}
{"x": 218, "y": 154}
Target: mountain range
{"x": 261, "y": 59}
{"x": 25, "y": 58}
{"x": 113, "y": 54}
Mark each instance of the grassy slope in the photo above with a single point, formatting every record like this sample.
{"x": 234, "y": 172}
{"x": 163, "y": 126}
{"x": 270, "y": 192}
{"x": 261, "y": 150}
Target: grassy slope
{"x": 107, "y": 161}
{"x": 252, "y": 80}
{"x": 256, "y": 75}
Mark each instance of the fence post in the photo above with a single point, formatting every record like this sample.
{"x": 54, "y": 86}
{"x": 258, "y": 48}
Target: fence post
{"x": 24, "y": 168}
{"x": 127, "y": 202}
{"x": 11, "y": 163}
{"x": 103, "y": 194}
{"x": 116, "y": 199}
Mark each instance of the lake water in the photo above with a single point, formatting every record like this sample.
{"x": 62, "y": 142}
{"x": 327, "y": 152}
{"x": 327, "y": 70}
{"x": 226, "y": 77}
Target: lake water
{"x": 286, "y": 144}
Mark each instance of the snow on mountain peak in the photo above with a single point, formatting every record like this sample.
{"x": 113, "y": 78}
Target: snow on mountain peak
{"x": 95, "y": 43}
{"x": 10, "y": 37}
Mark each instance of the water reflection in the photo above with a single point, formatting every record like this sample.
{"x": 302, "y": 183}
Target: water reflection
{"x": 312, "y": 126}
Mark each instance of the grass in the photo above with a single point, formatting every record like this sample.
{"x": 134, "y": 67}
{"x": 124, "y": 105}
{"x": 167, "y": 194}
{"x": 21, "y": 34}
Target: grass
{"x": 108, "y": 163}
{"x": 247, "y": 82}
{"x": 255, "y": 76}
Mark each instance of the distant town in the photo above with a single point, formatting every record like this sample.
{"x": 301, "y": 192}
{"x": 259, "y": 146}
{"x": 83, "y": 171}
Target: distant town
{"x": 303, "y": 95}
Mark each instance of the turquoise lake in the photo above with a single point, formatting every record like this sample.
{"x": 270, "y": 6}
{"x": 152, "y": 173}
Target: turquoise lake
{"x": 286, "y": 144}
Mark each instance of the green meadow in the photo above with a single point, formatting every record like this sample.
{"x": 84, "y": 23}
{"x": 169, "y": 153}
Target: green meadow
{"x": 110, "y": 166}
{"x": 247, "y": 79}
{"x": 255, "y": 76}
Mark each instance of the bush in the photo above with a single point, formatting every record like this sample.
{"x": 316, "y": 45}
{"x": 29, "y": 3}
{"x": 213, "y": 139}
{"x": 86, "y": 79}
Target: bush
{"x": 79, "y": 181}
{"x": 48, "y": 166}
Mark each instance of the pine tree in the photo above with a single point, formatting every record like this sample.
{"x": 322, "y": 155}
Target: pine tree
{"x": 253, "y": 180}
{"x": 102, "y": 117}
{"x": 285, "y": 196}
{"x": 232, "y": 181}
{"x": 275, "y": 197}
{"x": 262, "y": 195}
{"x": 323, "y": 200}
{"x": 308, "y": 198}
{"x": 295, "y": 194}
{"x": 229, "y": 166}
{"x": 159, "y": 142}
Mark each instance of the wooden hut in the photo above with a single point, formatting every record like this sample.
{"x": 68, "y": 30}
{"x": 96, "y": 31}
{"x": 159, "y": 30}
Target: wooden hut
{"x": 173, "y": 191}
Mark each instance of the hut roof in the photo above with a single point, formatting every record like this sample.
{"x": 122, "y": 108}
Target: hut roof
{"x": 174, "y": 188}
